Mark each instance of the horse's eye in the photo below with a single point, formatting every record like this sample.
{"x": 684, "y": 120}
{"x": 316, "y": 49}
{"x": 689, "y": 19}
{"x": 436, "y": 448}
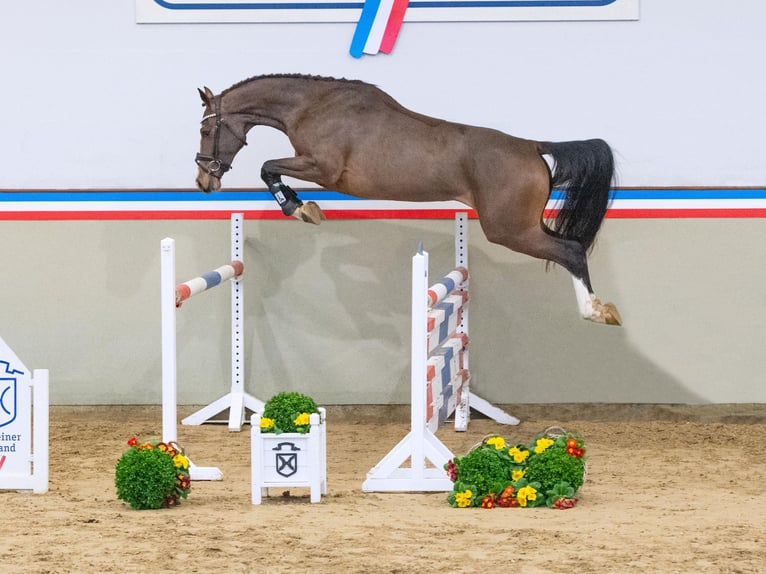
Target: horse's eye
{"x": 204, "y": 133}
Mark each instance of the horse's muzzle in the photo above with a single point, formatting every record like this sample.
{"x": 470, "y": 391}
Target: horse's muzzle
{"x": 213, "y": 169}
{"x": 208, "y": 183}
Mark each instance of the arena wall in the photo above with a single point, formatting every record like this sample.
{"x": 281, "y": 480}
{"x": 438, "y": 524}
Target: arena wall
{"x": 94, "y": 101}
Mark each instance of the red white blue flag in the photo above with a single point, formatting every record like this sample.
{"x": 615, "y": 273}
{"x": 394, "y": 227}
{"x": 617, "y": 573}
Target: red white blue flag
{"x": 378, "y": 27}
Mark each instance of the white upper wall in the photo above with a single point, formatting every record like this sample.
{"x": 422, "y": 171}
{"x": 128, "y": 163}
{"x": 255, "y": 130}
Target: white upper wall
{"x": 91, "y": 99}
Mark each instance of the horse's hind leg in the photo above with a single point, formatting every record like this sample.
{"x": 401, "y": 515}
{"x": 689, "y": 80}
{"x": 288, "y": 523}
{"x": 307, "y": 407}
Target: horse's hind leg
{"x": 302, "y": 168}
{"x": 571, "y": 255}
{"x": 591, "y": 307}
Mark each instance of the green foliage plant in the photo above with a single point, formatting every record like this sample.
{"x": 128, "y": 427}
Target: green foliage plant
{"x": 288, "y": 412}
{"x": 485, "y": 468}
{"x": 562, "y": 495}
{"x": 548, "y": 472}
{"x": 555, "y": 465}
{"x": 149, "y": 476}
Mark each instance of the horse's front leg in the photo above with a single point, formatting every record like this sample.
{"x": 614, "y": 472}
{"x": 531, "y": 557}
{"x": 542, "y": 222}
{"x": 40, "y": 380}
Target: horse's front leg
{"x": 288, "y": 200}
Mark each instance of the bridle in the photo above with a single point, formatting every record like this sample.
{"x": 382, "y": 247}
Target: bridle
{"x": 210, "y": 164}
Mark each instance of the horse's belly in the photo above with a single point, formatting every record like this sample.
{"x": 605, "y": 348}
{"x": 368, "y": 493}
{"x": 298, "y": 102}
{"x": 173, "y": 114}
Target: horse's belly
{"x": 400, "y": 181}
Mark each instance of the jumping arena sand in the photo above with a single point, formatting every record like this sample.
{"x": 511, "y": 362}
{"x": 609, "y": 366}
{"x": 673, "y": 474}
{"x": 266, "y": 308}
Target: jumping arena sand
{"x": 669, "y": 489}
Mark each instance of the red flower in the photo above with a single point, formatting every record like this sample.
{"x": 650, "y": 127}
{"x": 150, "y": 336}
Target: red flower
{"x": 564, "y": 503}
{"x": 571, "y": 443}
{"x": 506, "y": 498}
{"x": 574, "y": 451}
{"x": 184, "y": 481}
{"x": 488, "y": 502}
{"x": 452, "y": 470}
{"x": 133, "y": 441}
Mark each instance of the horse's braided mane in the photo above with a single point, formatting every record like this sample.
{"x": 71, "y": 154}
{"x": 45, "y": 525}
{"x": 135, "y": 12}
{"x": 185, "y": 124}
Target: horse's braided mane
{"x": 293, "y": 76}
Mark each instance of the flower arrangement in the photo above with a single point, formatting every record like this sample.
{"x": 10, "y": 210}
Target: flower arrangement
{"x": 152, "y": 475}
{"x": 548, "y": 472}
{"x": 288, "y": 412}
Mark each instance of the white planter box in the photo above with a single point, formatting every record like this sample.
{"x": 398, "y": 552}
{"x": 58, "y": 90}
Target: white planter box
{"x": 289, "y": 459}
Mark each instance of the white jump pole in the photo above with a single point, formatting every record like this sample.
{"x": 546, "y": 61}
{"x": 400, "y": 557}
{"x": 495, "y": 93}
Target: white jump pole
{"x": 169, "y": 380}
{"x": 420, "y": 445}
{"x": 426, "y": 453}
{"x": 462, "y": 415}
{"x": 236, "y": 400}
{"x": 172, "y": 295}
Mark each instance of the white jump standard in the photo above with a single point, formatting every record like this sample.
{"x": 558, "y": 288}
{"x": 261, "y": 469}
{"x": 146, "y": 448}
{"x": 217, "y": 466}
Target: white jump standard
{"x": 440, "y": 380}
{"x": 24, "y": 437}
{"x": 172, "y": 297}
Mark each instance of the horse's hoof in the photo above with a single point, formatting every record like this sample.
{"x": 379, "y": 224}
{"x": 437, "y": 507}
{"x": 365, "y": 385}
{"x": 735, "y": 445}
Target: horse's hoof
{"x": 310, "y": 212}
{"x": 605, "y": 313}
{"x": 612, "y": 315}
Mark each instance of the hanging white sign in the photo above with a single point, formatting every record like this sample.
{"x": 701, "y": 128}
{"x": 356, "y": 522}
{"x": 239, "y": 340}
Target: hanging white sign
{"x": 189, "y": 11}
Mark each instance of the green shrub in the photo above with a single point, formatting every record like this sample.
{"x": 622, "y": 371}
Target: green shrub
{"x": 152, "y": 476}
{"x": 283, "y": 409}
{"x": 554, "y": 465}
{"x": 487, "y": 468}
{"x": 548, "y": 472}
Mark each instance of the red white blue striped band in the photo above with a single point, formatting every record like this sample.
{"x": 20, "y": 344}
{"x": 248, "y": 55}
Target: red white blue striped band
{"x": 628, "y": 203}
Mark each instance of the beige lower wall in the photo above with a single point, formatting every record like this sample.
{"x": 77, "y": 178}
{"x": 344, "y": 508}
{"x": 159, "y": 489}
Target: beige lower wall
{"x": 328, "y": 311}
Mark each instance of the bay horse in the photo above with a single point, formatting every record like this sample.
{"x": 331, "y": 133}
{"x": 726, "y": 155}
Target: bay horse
{"x": 351, "y": 137}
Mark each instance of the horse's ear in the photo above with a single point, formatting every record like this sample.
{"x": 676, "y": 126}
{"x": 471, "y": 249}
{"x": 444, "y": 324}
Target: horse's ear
{"x": 207, "y": 96}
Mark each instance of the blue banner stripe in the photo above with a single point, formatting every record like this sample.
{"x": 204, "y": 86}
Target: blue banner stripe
{"x": 13, "y": 196}
{"x": 680, "y": 194}
{"x": 690, "y": 194}
{"x": 507, "y": 4}
{"x": 363, "y": 27}
{"x": 358, "y": 5}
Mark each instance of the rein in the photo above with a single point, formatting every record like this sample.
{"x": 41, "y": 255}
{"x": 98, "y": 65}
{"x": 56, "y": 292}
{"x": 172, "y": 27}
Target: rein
{"x": 210, "y": 164}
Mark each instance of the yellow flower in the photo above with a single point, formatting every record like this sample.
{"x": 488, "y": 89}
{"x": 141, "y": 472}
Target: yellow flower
{"x": 526, "y": 493}
{"x": 517, "y": 474}
{"x": 181, "y": 461}
{"x": 542, "y": 444}
{"x": 518, "y": 455}
{"x": 497, "y": 441}
{"x": 463, "y": 499}
{"x": 266, "y": 423}
{"x": 302, "y": 419}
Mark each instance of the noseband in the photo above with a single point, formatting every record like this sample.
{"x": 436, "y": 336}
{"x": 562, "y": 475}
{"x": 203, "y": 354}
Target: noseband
{"x": 210, "y": 164}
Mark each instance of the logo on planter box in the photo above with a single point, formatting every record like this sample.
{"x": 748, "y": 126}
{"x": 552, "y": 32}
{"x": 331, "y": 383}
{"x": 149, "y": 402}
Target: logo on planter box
{"x": 286, "y": 458}
{"x": 8, "y": 391}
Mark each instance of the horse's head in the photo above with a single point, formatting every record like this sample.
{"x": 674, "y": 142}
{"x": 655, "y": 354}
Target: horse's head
{"x": 222, "y": 136}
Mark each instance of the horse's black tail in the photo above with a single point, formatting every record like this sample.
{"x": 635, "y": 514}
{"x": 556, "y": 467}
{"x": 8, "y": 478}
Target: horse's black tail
{"x": 583, "y": 170}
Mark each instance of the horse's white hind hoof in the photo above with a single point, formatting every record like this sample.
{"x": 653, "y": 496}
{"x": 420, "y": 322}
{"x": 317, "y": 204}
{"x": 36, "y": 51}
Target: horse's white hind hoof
{"x": 310, "y": 212}
{"x": 605, "y": 313}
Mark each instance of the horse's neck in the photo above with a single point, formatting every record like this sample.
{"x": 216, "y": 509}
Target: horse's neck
{"x": 269, "y": 101}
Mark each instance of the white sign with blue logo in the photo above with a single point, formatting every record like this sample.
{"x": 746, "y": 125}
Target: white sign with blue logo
{"x": 23, "y": 404}
{"x": 158, "y": 11}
